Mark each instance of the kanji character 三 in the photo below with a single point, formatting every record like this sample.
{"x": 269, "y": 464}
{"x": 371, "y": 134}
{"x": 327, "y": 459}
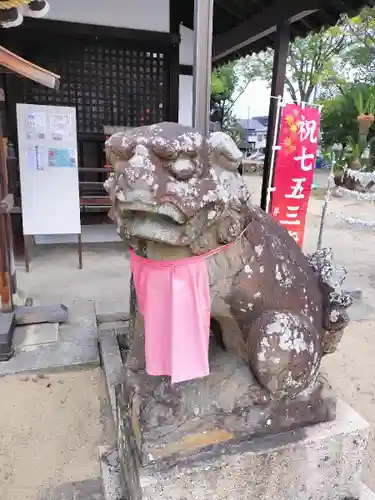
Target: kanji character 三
{"x": 292, "y": 216}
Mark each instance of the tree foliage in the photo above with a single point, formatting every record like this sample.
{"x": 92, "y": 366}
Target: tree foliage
{"x": 360, "y": 57}
{"x": 313, "y": 62}
{"x": 339, "y": 115}
{"x": 348, "y": 120}
{"x": 333, "y": 65}
{"x": 228, "y": 83}
{"x": 338, "y": 121}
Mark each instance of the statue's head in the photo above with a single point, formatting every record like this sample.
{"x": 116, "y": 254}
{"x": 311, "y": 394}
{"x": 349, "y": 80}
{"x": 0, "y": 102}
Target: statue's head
{"x": 173, "y": 186}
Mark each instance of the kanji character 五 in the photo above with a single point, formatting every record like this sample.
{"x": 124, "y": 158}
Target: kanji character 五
{"x": 297, "y": 189}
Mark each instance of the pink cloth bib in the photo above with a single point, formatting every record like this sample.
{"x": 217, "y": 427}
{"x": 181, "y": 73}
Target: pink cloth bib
{"x": 174, "y": 299}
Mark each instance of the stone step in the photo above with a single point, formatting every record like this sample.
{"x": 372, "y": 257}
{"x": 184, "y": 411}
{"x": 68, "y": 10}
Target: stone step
{"x": 112, "y": 317}
{"x": 75, "y": 347}
{"x": 35, "y": 335}
{"x": 111, "y": 364}
{"x": 90, "y": 489}
{"x": 111, "y": 477}
{"x": 117, "y": 327}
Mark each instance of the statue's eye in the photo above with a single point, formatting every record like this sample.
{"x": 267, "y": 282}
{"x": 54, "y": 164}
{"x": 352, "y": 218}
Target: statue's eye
{"x": 183, "y": 168}
{"x": 165, "y": 149}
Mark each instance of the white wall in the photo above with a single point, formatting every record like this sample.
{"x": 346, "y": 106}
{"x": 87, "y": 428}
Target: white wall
{"x": 150, "y": 15}
{"x": 185, "y": 112}
{"x": 186, "y": 45}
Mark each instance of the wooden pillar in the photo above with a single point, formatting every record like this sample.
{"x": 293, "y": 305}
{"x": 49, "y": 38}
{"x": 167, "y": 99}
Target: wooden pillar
{"x": 203, "y": 24}
{"x": 277, "y": 89}
{"x": 7, "y": 267}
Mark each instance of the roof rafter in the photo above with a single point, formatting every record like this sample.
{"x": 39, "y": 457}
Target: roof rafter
{"x": 231, "y": 9}
{"x": 263, "y": 24}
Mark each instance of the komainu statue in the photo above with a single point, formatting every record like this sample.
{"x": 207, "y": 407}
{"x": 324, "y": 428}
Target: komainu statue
{"x": 274, "y": 310}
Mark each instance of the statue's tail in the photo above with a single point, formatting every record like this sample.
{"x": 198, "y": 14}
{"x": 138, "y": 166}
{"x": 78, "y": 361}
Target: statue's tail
{"x": 337, "y": 301}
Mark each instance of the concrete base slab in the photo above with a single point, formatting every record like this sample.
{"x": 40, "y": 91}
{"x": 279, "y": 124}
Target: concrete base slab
{"x": 77, "y": 345}
{"x": 35, "y": 335}
{"x": 114, "y": 489}
{"x": 319, "y": 462}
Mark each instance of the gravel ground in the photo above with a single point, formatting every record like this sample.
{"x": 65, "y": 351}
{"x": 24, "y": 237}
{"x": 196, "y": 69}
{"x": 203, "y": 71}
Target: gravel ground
{"x": 50, "y": 430}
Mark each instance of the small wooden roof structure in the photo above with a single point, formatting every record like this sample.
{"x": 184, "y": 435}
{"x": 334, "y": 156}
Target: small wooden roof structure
{"x": 244, "y": 26}
{"x": 25, "y": 68}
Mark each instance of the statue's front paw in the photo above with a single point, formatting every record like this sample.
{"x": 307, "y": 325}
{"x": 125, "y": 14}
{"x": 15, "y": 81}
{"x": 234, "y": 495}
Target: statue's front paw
{"x": 284, "y": 352}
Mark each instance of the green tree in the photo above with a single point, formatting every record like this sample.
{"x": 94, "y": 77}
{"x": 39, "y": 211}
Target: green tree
{"x": 340, "y": 114}
{"x": 360, "y": 58}
{"x": 348, "y": 120}
{"x": 338, "y": 121}
{"x": 313, "y": 62}
{"x": 228, "y": 83}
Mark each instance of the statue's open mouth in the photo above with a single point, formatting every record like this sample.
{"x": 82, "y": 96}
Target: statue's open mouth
{"x": 165, "y": 212}
{"x": 158, "y": 223}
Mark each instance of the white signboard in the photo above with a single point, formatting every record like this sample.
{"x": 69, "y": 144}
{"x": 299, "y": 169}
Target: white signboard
{"x": 47, "y": 142}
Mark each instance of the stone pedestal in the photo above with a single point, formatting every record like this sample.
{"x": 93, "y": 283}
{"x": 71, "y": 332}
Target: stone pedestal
{"x": 211, "y": 438}
{"x": 320, "y": 462}
{"x": 226, "y": 406}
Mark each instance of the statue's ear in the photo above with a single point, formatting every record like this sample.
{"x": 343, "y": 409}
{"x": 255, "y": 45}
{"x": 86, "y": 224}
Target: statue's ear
{"x": 121, "y": 146}
{"x": 225, "y": 151}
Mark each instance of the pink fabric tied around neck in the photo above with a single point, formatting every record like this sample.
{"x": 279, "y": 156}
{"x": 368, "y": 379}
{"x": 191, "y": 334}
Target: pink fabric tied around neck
{"x": 174, "y": 300}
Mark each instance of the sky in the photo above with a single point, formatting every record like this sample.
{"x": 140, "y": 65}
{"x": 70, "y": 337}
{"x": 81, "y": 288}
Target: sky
{"x": 254, "y": 101}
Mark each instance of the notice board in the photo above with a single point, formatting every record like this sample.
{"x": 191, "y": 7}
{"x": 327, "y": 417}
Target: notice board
{"x": 47, "y": 143}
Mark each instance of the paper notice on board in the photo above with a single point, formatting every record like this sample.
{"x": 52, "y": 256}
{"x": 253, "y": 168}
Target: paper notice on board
{"x": 36, "y": 126}
{"x": 61, "y": 157}
{"x": 60, "y": 126}
{"x": 37, "y": 157}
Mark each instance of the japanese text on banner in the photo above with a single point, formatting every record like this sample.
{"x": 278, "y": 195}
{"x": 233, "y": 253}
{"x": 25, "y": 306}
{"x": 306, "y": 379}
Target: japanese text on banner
{"x": 294, "y": 167}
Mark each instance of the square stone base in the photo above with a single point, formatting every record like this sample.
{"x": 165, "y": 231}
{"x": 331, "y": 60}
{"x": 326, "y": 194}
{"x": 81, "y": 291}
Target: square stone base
{"x": 320, "y": 462}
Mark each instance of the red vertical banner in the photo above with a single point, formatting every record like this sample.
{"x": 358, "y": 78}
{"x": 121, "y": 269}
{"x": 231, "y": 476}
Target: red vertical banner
{"x": 294, "y": 167}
